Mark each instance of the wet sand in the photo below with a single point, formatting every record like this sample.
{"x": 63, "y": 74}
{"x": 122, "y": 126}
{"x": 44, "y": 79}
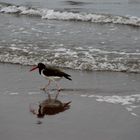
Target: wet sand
{"x": 105, "y": 106}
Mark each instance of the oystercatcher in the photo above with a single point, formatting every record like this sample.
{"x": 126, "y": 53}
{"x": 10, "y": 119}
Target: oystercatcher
{"x": 52, "y": 74}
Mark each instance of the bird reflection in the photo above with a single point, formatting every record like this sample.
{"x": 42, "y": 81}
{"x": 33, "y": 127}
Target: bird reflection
{"x": 49, "y": 107}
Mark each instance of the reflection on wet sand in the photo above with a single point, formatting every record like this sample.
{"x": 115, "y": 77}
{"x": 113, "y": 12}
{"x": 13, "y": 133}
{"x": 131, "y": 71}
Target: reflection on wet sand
{"x": 49, "y": 107}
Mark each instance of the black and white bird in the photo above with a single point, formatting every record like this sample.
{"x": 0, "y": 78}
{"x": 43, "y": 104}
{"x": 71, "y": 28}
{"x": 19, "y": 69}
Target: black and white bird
{"x": 52, "y": 74}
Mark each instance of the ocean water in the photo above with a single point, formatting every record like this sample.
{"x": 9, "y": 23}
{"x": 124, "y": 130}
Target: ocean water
{"x": 87, "y": 35}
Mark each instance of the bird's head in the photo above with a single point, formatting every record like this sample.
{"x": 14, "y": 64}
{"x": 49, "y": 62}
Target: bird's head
{"x": 40, "y": 66}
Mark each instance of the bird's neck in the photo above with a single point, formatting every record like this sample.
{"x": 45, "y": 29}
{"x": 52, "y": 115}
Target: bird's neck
{"x": 40, "y": 70}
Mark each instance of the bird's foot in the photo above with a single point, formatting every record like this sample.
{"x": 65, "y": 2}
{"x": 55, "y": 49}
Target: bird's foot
{"x": 59, "y": 89}
{"x": 44, "y": 89}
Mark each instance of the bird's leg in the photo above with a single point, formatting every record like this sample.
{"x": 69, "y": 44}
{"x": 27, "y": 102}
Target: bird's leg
{"x": 58, "y": 87}
{"x": 58, "y": 90}
{"x": 57, "y": 95}
{"x": 49, "y": 96}
{"x": 45, "y": 88}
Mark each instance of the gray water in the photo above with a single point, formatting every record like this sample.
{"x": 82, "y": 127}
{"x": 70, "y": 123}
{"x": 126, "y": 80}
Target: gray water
{"x": 117, "y": 7}
{"x": 86, "y": 35}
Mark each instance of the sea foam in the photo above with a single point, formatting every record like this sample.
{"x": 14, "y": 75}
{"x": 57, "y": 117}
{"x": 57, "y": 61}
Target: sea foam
{"x": 130, "y": 102}
{"x": 96, "y": 59}
{"x": 52, "y": 14}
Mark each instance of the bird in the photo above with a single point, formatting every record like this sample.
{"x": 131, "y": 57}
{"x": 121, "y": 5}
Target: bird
{"x": 52, "y": 74}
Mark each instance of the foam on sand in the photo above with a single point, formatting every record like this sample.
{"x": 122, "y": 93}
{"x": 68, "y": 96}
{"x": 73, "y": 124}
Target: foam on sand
{"x": 127, "y": 101}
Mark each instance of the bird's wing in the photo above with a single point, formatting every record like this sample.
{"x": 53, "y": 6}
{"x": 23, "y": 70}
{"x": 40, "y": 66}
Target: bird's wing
{"x": 53, "y": 72}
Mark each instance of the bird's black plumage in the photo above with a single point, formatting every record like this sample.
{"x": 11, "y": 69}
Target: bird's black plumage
{"x": 51, "y": 71}
{"x": 55, "y": 72}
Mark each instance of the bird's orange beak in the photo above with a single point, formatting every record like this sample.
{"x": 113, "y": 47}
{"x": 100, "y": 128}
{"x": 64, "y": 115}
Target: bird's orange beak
{"x": 35, "y": 67}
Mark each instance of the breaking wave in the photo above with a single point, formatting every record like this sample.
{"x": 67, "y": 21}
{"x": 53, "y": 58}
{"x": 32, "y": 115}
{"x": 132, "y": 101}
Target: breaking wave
{"x": 95, "y": 59}
{"x": 52, "y": 14}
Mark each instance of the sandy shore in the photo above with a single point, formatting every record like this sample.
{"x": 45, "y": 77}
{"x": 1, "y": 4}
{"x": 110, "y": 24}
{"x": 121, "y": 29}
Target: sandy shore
{"x": 105, "y": 106}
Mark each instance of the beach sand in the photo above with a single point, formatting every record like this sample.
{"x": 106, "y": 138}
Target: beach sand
{"x": 105, "y": 106}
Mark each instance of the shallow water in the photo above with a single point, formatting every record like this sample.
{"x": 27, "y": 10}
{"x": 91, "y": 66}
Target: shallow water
{"x": 85, "y": 38}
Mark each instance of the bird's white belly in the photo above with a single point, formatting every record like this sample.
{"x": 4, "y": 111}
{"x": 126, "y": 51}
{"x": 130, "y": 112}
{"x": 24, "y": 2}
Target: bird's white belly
{"x": 52, "y": 78}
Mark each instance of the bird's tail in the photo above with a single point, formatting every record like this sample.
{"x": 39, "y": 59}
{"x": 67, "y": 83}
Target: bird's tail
{"x": 67, "y": 76}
